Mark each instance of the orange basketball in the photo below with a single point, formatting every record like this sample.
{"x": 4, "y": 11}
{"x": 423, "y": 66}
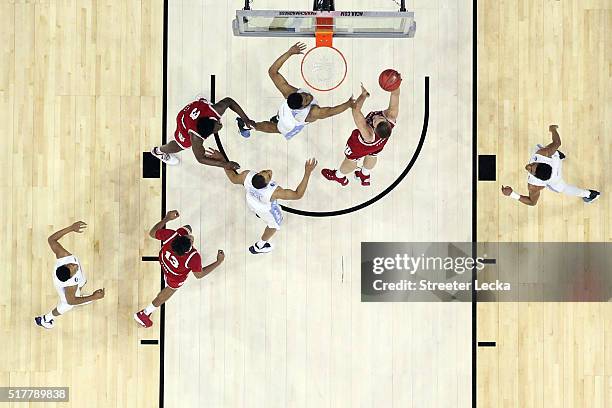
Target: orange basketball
{"x": 389, "y": 80}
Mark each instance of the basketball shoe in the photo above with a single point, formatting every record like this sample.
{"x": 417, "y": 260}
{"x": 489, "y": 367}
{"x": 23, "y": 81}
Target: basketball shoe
{"x": 365, "y": 180}
{"x": 169, "y": 159}
{"x": 42, "y": 322}
{"x": 143, "y": 319}
{"x": 256, "y": 249}
{"x": 330, "y": 174}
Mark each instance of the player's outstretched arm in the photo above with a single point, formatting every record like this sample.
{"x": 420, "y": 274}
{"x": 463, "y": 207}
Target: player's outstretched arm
{"x": 236, "y": 178}
{"x": 170, "y": 215}
{"x": 72, "y": 299}
{"x": 317, "y": 112}
{"x": 393, "y": 110}
{"x": 358, "y": 117}
{"x": 287, "y": 194}
{"x": 203, "y": 157}
{"x": 279, "y": 81}
{"x": 530, "y": 200}
{"x": 552, "y": 147}
{"x": 209, "y": 268}
{"x": 221, "y": 106}
{"x": 56, "y": 247}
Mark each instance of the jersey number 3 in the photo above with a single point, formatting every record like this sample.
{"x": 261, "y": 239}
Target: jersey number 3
{"x": 171, "y": 258}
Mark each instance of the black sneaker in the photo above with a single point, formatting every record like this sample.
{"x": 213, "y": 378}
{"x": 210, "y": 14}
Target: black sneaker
{"x": 561, "y": 154}
{"x": 244, "y": 131}
{"x": 594, "y": 196}
{"x": 274, "y": 119}
{"x": 255, "y": 249}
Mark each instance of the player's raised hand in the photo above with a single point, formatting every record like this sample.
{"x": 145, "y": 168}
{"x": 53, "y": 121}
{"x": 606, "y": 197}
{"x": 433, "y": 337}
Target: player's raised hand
{"x": 310, "y": 165}
{"x": 172, "y": 215}
{"x": 297, "y": 48}
{"x": 506, "y": 190}
{"x": 351, "y": 102}
{"x": 250, "y": 123}
{"x": 364, "y": 91}
{"x": 552, "y": 128}
{"x": 231, "y": 165}
{"x": 98, "y": 294}
{"x": 220, "y": 256}
{"x": 78, "y": 226}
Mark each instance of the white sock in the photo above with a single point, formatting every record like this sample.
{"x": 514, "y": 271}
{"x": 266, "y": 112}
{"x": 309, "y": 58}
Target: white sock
{"x": 260, "y": 244}
{"x": 149, "y": 309}
{"x": 339, "y": 174}
{"x": 49, "y": 316}
{"x": 365, "y": 171}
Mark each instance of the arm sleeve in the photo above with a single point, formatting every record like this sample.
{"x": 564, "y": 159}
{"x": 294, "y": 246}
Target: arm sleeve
{"x": 163, "y": 234}
{"x": 195, "y": 263}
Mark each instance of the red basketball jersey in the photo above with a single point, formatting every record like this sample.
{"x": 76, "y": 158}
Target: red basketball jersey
{"x": 177, "y": 266}
{"x": 187, "y": 118}
{"x": 357, "y": 147}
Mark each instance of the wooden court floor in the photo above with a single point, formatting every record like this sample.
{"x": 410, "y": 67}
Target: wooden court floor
{"x": 81, "y": 98}
{"x": 541, "y": 63}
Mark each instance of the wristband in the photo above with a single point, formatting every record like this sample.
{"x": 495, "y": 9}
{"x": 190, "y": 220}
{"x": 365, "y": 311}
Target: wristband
{"x": 515, "y": 195}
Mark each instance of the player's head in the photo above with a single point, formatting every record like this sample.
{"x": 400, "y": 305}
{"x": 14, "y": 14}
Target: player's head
{"x": 382, "y": 127}
{"x": 542, "y": 171}
{"x": 262, "y": 179}
{"x": 208, "y": 126}
{"x": 64, "y": 272}
{"x": 299, "y": 100}
{"x": 182, "y": 244}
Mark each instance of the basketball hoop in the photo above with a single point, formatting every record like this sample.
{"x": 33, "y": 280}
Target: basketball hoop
{"x": 324, "y": 68}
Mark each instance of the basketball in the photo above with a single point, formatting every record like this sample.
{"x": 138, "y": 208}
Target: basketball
{"x": 389, "y": 80}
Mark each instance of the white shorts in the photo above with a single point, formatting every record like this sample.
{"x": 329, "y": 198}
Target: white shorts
{"x": 289, "y": 128}
{"x": 63, "y": 306}
{"x": 272, "y": 218}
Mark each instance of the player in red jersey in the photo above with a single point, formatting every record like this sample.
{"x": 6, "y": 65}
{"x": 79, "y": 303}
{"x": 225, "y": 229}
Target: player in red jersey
{"x": 194, "y": 123}
{"x": 369, "y": 139}
{"x": 177, "y": 257}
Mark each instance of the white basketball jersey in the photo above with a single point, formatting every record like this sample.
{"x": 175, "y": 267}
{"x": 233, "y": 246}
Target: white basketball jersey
{"x": 259, "y": 200}
{"x": 554, "y": 162}
{"x": 78, "y": 279}
{"x": 292, "y": 121}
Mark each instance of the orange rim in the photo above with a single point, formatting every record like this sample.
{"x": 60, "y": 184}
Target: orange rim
{"x": 324, "y": 89}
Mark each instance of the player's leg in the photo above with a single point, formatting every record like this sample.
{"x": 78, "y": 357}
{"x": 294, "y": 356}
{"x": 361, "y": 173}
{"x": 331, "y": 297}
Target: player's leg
{"x": 48, "y": 320}
{"x": 273, "y": 219}
{"x": 265, "y": 127}
{"x": 588, "y": 196}
{"x": 166, "y": 153}
{"x": 363, "y": 174}
{"x": 144, "y": 316}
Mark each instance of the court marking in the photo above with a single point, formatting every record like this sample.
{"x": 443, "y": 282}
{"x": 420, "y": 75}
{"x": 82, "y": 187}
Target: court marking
{"x": 164, "y": 124}
{"x": 372, "y": 200}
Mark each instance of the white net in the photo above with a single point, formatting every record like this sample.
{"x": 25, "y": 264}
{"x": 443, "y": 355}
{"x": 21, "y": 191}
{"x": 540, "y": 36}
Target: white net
{"x": 323, "y": 68}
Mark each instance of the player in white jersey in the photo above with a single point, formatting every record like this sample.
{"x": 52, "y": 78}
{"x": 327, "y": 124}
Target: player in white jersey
{"x": 544, "y": 170}
{"x": 68, "y": 278}
{"x": 299, "y": 108}
{"x": 262, "y": 194}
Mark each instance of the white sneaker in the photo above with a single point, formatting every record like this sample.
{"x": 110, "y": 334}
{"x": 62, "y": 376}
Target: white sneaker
{"x": 168, "y": 158}
{"x": 254, "y": 249}
{"x": 40, "y": 321}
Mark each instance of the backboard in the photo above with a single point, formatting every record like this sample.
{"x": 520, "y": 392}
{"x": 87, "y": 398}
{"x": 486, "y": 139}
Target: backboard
{"x": 295, "y": 23}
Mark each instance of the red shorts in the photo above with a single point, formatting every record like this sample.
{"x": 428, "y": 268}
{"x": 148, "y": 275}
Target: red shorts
{"x": 356, "y": 148}
{"x": 174, "y": 281}
{"x": 183, "y": 139}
